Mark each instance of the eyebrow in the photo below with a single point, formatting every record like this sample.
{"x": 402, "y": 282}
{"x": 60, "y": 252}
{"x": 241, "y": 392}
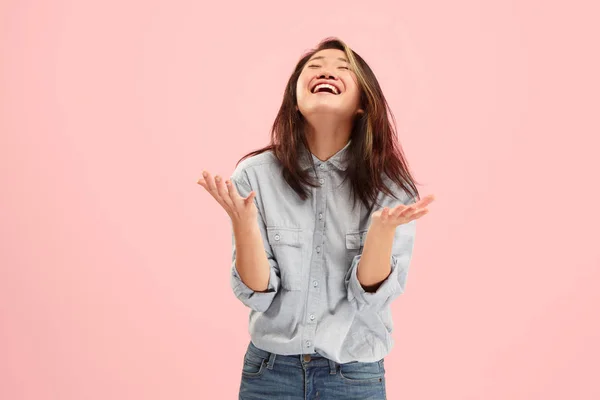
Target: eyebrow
{"x": 322, "y": 57}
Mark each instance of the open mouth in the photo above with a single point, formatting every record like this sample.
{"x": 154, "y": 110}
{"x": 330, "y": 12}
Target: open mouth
{"x": 325, "y": 88}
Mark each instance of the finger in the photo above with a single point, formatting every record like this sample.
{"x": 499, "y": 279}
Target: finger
{"x": 248, "y": 200}
{"x": 424, "y": 202}
{"x": 233, "y": 193}
{"x": 385, "y": 214}
{"x": 210, "y": 184}
{"x": 204, "y": 181}
{"x": 400, "y": 211}
{"x": 392, "y": 211}
{"x": 223, "y": 193}
{"x": 410, "y": 211}
{"x": 419, "y": 214}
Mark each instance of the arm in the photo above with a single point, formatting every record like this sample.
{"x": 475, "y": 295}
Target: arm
{"x": 378, "y": 275}
{"x": 254, "y": 274}
{"x": 376, "y": 254}
{"x": 251, "y": 262}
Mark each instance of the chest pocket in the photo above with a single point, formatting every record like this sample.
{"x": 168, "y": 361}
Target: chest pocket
{"x": 287, "y": 249}
{"x": 355, "y": 241}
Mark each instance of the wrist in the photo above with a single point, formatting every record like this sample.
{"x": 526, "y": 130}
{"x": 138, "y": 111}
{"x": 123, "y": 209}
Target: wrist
{"x": 244, "y": 226}
{"x": 382, "y": 229}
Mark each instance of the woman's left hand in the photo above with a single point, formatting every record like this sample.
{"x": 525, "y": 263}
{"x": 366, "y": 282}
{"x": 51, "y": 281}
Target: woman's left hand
{"x": 401, "y": 214}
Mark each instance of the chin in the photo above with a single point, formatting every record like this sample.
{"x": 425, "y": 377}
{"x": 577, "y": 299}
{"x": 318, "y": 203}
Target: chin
{"x": 320, "y": 109}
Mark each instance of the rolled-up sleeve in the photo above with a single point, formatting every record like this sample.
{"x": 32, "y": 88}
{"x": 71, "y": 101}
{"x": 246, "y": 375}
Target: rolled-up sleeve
{"x": 258, "y": 301}
{"x": 395, "y": 284}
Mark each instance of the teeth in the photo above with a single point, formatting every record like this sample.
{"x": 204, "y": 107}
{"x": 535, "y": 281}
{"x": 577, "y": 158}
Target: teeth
{"x": 326, "y": 85}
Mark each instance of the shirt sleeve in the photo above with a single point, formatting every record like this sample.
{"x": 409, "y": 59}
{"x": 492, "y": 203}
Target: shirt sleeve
{"x": 258, "y": 301}
{"x": 394, "y": 285}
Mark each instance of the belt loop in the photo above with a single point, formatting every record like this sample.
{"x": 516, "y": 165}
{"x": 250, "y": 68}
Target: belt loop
{"x": 332, "y": 367}
{"x": 271, "y": 360}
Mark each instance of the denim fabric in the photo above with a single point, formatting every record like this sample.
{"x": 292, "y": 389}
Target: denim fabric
{"x": 314, "y": 302}
{"x": 268, "y": 376}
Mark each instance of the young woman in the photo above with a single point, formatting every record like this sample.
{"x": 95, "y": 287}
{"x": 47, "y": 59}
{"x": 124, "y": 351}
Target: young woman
{"x": 323, "y": 223}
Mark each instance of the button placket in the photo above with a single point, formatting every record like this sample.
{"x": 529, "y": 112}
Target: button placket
{"x": 316, "y": 266}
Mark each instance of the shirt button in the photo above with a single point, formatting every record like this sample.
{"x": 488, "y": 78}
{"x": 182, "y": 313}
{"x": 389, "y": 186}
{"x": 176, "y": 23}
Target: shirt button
{"x": 308, "y": 343}
{"x": 277, "y": 237}
{"x": 315, "y": 283}
{"x": 322, "y": 166}
{"x": 321, "y": 180}
{"x": 312, "y": 317}
{"x": 318, "y": 249}
{"x": 320, "y": 215}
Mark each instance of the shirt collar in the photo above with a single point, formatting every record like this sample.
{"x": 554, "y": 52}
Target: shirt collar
{"x": 338, "y": 160}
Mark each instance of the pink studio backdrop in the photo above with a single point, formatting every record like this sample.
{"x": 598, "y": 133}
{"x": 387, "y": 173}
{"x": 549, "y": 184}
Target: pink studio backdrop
{"x": 114, "y": 263}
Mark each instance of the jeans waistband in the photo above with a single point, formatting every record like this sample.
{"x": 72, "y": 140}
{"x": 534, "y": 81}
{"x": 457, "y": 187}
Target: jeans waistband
{"x": 303, "y": 360}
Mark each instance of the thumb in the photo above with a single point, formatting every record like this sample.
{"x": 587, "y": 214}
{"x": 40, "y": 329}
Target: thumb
{"x": 250, "y": 197}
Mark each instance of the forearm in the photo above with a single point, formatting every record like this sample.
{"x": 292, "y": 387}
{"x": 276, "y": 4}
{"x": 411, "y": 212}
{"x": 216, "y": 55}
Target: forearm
{"x": 374, "y": 266}
{"x": 252, "y": 263}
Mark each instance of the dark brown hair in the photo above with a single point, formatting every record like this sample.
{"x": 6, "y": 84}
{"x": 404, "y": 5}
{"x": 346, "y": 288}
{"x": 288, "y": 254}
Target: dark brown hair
{"x": 374, "y": 146}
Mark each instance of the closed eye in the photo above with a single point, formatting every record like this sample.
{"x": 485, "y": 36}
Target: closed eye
{"x": 316, "y": 66}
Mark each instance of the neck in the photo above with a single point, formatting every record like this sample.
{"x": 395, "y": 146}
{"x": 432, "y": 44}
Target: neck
{"x": 327, "y": 136}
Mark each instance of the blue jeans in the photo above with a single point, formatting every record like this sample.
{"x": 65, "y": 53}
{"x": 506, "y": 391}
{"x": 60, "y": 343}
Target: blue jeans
{"x": 267, "y": 376}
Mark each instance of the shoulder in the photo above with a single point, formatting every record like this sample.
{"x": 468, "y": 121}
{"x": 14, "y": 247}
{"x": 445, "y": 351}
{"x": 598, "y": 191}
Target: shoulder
{"x": 255, "y": 166}
{"x": 399, "y": 193}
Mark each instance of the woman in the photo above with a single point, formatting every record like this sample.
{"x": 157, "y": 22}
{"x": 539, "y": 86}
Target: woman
{"x": 323, "y": 223}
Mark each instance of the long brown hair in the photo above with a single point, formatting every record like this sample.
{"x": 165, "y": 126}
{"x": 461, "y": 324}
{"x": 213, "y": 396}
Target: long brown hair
{"x": 374, "y": 147}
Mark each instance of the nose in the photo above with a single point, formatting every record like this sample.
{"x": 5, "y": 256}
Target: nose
{"x": 326, "y": 75}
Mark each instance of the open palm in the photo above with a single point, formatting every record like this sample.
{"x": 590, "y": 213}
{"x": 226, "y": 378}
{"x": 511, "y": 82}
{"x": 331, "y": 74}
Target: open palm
{"x": 402, "y": 214}
{"x": 238, "y": 208}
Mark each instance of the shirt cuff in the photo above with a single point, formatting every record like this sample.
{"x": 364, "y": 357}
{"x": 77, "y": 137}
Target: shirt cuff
{"x": 389, "y": 289}
{"x": 258, "y": 301}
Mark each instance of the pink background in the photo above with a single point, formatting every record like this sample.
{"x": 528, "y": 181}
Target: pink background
{"x": 114, "y": 263}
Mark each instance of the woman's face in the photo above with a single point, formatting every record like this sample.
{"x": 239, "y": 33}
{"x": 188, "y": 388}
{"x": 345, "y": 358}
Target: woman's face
{"x": 327, "y": 85}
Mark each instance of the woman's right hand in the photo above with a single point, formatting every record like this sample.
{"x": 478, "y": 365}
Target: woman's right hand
{"x": 238, "y": 208}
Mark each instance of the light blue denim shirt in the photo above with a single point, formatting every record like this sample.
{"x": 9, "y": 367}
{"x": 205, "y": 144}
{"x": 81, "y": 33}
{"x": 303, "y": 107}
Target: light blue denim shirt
{"x": 314, "y": 302}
